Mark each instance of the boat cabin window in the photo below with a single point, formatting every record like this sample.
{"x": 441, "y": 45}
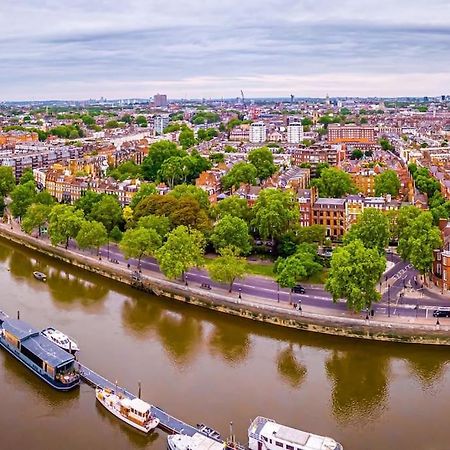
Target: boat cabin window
{"x": 264, "y": 438}
{"x": 279, "y": 444}
{"x": 289, "y": 447}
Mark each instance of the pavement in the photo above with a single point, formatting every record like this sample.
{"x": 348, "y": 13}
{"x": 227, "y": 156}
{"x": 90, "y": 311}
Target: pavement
{"x": 403, "y": 300}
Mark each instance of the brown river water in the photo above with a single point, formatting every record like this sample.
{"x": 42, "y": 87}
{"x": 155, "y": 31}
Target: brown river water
{"x": 207, "y": 367}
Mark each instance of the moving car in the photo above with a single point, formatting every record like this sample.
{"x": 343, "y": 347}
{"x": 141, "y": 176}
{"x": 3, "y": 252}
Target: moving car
{"x": 298, "y": 289}
{"x": 442, "y": 311}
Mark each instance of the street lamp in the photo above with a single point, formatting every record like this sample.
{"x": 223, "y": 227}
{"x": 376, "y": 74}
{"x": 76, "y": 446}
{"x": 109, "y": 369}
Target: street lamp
{"x": 389, "y": 300}
{"x": 186, "y": 279}
{"x": 240, "y": 296}
{"x": 278, "y": 293}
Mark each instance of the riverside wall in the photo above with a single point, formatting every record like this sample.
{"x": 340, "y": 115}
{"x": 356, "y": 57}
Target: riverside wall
{"x": 245, "y": 308}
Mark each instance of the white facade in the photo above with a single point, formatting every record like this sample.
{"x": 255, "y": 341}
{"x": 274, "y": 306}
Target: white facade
{"x": 258, "y": 133}
{"x": 295, "y": 133}
{"x": 161, "y": 122}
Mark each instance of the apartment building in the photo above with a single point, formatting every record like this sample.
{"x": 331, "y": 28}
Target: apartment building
{"x": 160, "y": 100}
{"x": 330, "y": 212}
{"x": 258, "y": 133}
{"x": 295, "y": 133}
{"x": 342, "y": 134}
{"x": 161, "y": 122}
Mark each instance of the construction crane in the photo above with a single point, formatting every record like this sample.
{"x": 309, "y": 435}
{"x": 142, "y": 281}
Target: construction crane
{"x": 243, "y": 98}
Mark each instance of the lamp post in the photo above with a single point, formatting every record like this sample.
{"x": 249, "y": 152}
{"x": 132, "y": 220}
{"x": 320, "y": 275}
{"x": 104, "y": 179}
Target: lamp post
{"x": 240, "y": 296}
{"x": 389, "y": 300}
{"x": 186, "y": 279}
{"x": 278, "y": 293}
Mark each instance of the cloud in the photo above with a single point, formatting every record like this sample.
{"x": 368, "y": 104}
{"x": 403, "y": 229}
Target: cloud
{"x": 82, "y": 49}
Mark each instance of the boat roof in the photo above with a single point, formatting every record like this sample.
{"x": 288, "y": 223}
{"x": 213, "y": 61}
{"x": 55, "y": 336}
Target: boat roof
{"x": 18, "y": 328}
{"x": 137, "y": 404}
{"x": 198, "y": 441}
{"x": 47, "y": 351}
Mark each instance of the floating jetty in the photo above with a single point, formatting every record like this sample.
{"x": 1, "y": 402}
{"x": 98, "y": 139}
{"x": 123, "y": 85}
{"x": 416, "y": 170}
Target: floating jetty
{"x": 167, "y": 422}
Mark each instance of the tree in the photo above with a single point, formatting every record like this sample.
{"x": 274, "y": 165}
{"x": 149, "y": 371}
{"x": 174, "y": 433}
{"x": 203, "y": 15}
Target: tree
{"x": 125, "y": 171}
{"x": 354, "y": 274}
{"x": 144, "y": 190}
{"x": 405, "y": 216}
{"x": 320, "y": 167}
{"x": 44, "y": 198}
{"x": 64, "y": 223}
{"x": 158, "y": 153}
{"x": 87, "y": 201}
{"x": 116, "y": 235}
{"x": 7, "y": 180}
{"x": 27, "y": 176}
{"x": 139, "y": 242}
{"x": 418, "y": 241}
{"x": 22, "y": 197}
{"x": 356, "y": 154}
{"x": 141, "y": 121}
{"x": 241, "y": 172}
{"x": 274, "y": 212}
{"x": 187, "y": 190}
{"x": 107, "y": 211}
{"x": 188, "y": 212}
{"x": 183, "y": 249}
{"x": 160, "y": 224}
{"x": 92, "y": 235}
{"x": 187, "y": 138}
{"x": 232, "y": 231}
{"x": 371, "y": 228}
{"x": 387, "y": 183}
{"x": 262, "y": 159}
{"x": 227, "y": 267}
{"x": 171, "y": 171}
{"x": 334, "y": 183}
{"x": 233, "y": 206}
{"x": 288, "y": 271}
{"x": 37, "y": 216}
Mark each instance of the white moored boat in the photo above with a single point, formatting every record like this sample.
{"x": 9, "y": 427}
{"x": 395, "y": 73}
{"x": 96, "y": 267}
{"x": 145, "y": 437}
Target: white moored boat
{"x": 133, "y": 411}
{"x": 266, "y": 434}
{"x": 196, "y": 442}
{"x": 61, "y": 340}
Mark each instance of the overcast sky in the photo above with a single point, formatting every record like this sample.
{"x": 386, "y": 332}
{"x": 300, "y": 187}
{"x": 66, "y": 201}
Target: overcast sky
{"x": 78, "y": 49}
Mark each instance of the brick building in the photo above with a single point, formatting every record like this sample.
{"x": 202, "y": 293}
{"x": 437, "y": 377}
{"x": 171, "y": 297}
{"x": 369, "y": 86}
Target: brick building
{"x": 358, "y": 134}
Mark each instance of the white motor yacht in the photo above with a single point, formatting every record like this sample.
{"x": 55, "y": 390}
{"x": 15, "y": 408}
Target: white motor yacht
{"x": 61, "y": 340}
{"x": 266, "y": 434}
{"x": 133, "y": 411}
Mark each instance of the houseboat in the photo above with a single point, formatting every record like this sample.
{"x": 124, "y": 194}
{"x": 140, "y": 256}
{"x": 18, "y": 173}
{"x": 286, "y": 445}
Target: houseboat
{"x": 49, "y": 362}
{"x": 61, "y": 340}
{"x": 266, "y": 434}
{"x": 196, "y": 442}
{"x": 40, "y": 276}
{"x": 133, "y": 411}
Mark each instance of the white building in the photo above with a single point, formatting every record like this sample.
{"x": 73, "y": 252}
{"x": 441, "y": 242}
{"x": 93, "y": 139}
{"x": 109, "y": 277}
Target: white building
{"x": 295, "y": 133}
{"x": 161, "y": 122}
{"x": 257, "y": 133}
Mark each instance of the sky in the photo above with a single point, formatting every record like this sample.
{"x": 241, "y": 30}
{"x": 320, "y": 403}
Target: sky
{"x": 80, "y": 49}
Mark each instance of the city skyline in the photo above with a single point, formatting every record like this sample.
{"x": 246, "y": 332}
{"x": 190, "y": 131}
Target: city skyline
{"x": 83, "y": 50}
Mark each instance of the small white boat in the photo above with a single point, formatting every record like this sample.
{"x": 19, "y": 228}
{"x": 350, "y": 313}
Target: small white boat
{"x": 196, "y": 442}
{"x": 266, "y": 434}
{"x": 133, "y": 411}
{"x": 40, "y": 276}
{"x": 61, "y": 340}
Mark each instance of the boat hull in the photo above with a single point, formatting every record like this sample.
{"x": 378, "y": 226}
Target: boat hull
{"x": 55, "y": 384}
{"x": 116, "y": 413}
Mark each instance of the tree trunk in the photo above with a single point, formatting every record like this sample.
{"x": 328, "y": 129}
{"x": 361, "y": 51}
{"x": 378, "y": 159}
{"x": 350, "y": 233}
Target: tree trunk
{"x": 67, "y": 243}
{"x": 231, "y": 286}
{"x": 290, "y": 296}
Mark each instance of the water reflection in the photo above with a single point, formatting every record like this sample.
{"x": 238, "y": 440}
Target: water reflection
{"x": 230, "y": 341}
{"x": 141, "y": 315}
{"x": 360, "y": 382}
{"x": 290, "y": 369}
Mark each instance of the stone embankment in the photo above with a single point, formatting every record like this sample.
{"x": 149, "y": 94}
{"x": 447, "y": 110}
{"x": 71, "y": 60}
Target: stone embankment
{"x": 252, "y": 308}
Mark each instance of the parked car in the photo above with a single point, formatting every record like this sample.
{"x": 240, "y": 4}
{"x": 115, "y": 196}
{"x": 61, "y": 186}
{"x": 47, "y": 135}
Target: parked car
{"x": 442, "y": 311}
{"x": 298, "y": 289}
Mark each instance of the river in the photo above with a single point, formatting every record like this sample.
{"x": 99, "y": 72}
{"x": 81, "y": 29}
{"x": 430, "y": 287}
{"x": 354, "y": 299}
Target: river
{"x": 202, "y": 366}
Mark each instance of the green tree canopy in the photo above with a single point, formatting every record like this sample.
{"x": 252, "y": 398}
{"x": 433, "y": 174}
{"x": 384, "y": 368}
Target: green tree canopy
{"x": 183, "y": 249}
{"x": 387, "y": 183}
{"x": 22, "y": 196}
{"x": 87, "y": 201}
{"x": 144, "y": 190}
{"x": 262, "y": 159}
{"x": 231, "y": 231}
{"x": 27, "y": 176}
{"x": 227, "y": 267}
{"x": 274, "y": 212}
{"x": 7, "y": 180}
{"x": 37, "y": 216}
{"x": 92, "y": 235}
{"x": 354, "y": 274}
{"x": 418, "y": 240}
{"x": 44, "y": 198}
{"x": 188, "y": 190}
{"x": 107, "y": 211}
{"x": 141, "y": 121}
{"x": 160, "y": 224}
{"x": 241, "y": 172}
{"x": 64, "y": 224}
{"x": 158, "y": 153}
{"x": 139, "y": 242}
{"x": 371, "y": 228}
{"x": 187, "y": 138}
{"x": 334, "y": 183}
{"x": 125, "y": 171}
{"x": 233, "y": 206}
